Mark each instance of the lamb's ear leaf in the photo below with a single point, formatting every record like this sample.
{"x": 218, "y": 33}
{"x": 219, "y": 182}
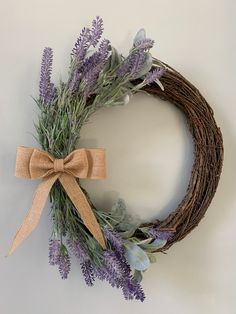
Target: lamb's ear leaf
{"x": 138, "y": 275}
{"x": 152, "y": 257}
{"x": 115, "y": 58}
{"x": 141, "y": 34}
{"x": 118, "y": 210}
{"x": 136, "y": 257}
{"x": 155, "y": 245}
{"x": 128, "y": 233}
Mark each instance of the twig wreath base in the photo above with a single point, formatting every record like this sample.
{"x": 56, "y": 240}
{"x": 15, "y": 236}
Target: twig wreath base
{"x": 208, "y": 153}
{"x": 110, "y": 244}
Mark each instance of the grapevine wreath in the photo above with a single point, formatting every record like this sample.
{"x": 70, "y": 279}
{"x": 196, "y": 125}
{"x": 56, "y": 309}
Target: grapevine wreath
{"x": 110, "y": 244}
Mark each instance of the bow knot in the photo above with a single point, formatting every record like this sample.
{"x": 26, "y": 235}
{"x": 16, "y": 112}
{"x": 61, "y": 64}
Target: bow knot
{"x": 58, "y": 165}
{"x": 82, "y": 163}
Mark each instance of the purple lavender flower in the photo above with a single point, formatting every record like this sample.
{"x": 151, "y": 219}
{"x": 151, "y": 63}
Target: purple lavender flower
{"x": 90, "y": 67}
{"x": 133, "y": 64}
{"x": 157, "y": 233}
{"x": 87, "y": 38}
{"x": 82, "y": 44}
{"x": 132, "y": 289}
{"x": 104, "y": 49}
{"x": 111, "y": 271}
{"x": 77, "y": 250}
{"x": 54, "y": 251}
{"x": 117, "y": 272}
{"x": 74, "y": 81}
{"x": 85, "y": 263}
{"x": 97, "y": 58}
{"x": 94, "y": 65}
{"x": 97, "y": 30}
{"x": 144, "y": 44}
{"x": 46, "y": 88}
{"x": 153, "y": 75}
{"x": 115, "y": 239}
{"x": 64, "y": 264}
{"x": 137, "y": 62}
{"x": 88, "y": 273}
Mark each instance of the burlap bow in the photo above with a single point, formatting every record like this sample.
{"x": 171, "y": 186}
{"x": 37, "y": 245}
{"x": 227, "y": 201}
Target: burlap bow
{"x": 82, "y": 163}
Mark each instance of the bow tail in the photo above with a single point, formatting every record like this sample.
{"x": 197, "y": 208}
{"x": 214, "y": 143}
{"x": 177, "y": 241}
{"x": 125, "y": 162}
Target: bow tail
{"x": 31, "y": 220}
{"x": 80, "y": 202}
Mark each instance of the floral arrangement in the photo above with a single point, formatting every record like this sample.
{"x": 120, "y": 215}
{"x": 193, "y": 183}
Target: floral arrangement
{"x": 98, "y": 77}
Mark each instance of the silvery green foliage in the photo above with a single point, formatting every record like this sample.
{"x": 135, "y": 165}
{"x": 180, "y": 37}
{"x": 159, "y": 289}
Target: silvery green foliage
{"x": 154, "y": 245}
{"x": 136, "y": 257}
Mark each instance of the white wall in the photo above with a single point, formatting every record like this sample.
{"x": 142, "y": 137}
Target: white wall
{"x": 196, "y": 37}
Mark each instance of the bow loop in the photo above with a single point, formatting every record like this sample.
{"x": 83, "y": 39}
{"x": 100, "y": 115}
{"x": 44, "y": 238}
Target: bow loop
{"x": 33, "y": 163}
{"x": 76, "y": 163}
{"x": 41, "y": 164}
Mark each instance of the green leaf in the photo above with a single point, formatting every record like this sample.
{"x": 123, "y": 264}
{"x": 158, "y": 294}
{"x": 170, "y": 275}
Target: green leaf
{"x": 141, "y": 34}
{"x": 155, "y": 245}
{"x": 152, "y": 257}
{"x": 128, "y": 233}
{"x": 146, "y": 241}
{"x": 115, "y": 58}
{"x": 136, "y": 257}
{"x": 138, "y": 275}
{"x": 118, "y": 210}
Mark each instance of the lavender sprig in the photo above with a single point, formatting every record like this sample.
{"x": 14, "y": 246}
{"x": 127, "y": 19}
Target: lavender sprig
{"x": 46, "y": 87}
{"x": 64, "y": 264}
{"x": 97, "y": 30}
{"x": 82, "y": 44}
{"x": 118, "y": 273}
{"x": 135, "y": 62}
{"x": 54, "y": 251}
{"x": 154, "y": 75}
{"x": 88, "y": 273}
{"x": 157, "y": 233}
{"x": 58, "y": 255}
{"x": 115, "y": 239}
{"x": 85, "y": 263}
{"x": 94, "y": 66}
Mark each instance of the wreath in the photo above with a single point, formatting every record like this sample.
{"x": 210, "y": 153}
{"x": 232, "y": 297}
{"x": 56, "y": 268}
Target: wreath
{"x": 110, "y": 244}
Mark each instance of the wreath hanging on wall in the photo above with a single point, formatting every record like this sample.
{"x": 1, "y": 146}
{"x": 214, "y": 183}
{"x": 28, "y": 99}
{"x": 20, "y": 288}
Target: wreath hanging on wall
{"x": 109, "y": 244}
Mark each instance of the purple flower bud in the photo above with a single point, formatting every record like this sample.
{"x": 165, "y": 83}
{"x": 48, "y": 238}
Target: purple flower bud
{"x": 144, "y": 44}
{"x": 97, "y": 30}
{"x": 117, "y": 272}
{"x": 157, "y": 233}
{"x": 115, "y": 239}
{"x": 85, "y": 263}
{"x": 54, "y": 251}
{"x": 46, "y": 88}
{"x": 133, "y": 64}
{"x": 82, "y": 44}
{"x": 64, "y": 264}
{"x": 154, "y": 75}
{"x": 77, "y": 250}
{"x": 87, "y": 38}
{"x": 88, "y": 273}
{"x": 132, "y": 289}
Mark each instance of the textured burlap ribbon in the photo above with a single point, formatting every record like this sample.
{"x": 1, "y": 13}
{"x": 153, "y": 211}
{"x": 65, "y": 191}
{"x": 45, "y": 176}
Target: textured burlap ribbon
{"x": 82, "y": 163}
